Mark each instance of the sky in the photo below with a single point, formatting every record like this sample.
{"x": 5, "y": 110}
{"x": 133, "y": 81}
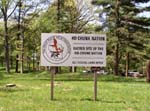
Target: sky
{"x": 142, "y": 5}
{"x": 145, "y": 14}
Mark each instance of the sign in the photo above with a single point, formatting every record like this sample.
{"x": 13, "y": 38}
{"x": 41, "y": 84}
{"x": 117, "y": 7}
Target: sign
{"x": 73, "y": 49}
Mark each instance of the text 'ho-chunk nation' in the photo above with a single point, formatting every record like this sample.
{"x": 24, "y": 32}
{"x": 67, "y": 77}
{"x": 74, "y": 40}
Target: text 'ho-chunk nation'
{"x": 88, "y": 38}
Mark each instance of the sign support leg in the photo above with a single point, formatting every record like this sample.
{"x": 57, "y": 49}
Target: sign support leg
{"x": 52, "y": 86}
{"x": 95, "y": 86}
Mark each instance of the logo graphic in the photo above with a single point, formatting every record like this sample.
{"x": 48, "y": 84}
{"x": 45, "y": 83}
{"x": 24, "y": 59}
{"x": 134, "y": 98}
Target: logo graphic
{"x": 56, "y": 49}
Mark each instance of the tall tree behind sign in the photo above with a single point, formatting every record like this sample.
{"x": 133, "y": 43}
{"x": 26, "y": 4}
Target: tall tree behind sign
{"x": 121, "y": 16}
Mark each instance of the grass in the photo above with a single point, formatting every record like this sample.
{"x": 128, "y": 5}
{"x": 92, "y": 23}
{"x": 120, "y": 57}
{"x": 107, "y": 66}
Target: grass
{"x": 73, "y": 92}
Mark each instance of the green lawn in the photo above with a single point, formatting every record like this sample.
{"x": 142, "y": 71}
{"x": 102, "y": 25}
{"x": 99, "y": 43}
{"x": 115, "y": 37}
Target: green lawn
{"x": 73, "y": 92}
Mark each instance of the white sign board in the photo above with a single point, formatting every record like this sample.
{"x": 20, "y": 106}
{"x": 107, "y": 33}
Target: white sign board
{"x": 73, "y": 49}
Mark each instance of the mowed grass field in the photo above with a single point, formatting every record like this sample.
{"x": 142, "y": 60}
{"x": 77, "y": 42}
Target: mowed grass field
{"x": 73, "y": 92}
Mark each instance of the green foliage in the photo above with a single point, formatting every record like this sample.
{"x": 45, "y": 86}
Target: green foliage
{"x": 130, "y": 29}
{"x": 74, "y": 17}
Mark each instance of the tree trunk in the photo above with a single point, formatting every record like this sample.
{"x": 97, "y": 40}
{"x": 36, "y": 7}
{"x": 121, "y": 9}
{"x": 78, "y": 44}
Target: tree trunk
{"x": 2, "y": 61}
{"x": 18, "y": 36}
{"x": 116, "y": 61}
{"x": 127, "y": 63}
{"x": 38, "y": 65}
{"x": 17, "y": 57}
{"x": 33, "y": 62}
{"x": 21, "y": 30}
{"x": 55, "y": 69}
{"x": 11, "y": 61}
{"x": 73, "y": 69}
{"x": 70, "y": 69}
{"x": 117, "y": 25}
{"x": 21, "y": 66}
{"x": 148, "y": 71}
{"x": 7, "y": 61}
{"x": 22, "y": 51}
{"x": 28, "y": 63}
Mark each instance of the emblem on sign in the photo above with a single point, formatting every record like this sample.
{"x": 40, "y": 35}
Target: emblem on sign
{"x": 56, "y": 49}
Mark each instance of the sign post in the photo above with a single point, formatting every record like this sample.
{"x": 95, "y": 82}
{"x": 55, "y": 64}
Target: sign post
{"x": 95, "y": 86}
{"x": 52, "y": 86}
{"x": 73, "y": 50}
{"x": 95, "y": 70}
{"x": 52, "y": 83}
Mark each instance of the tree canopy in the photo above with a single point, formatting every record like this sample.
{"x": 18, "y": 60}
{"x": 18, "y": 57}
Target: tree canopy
{"x": 23, "y": 21}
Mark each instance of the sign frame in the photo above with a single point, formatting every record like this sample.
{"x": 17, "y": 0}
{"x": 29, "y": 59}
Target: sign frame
{"x": 67, "y": 50}
{"x": 73, "y": 50}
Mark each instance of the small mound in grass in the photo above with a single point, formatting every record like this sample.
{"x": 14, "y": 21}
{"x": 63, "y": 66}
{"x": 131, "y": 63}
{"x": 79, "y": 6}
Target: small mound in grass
{"x": 11, "y": 85}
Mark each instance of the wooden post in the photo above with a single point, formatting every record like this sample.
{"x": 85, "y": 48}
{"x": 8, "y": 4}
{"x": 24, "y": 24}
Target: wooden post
{"x": 52, "y": 86}
{"x": 95, "y": 86}
{"x": 52, "y": 83}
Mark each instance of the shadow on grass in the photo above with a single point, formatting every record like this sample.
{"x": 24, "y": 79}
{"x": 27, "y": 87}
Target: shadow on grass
{"x": 103, "y": 78}
{"x": 92, "y": 100}
{"x": 86, "y": 78}
{"x": 45, "y": 76}
{"x": 72, "y": 99}
{"x": 108, "y": 101}
{"x": 121, "y": 79}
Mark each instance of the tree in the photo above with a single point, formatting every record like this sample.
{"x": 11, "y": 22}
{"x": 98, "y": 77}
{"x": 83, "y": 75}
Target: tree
{"x": 68, "y": 19}
{"x": 79, "y": 15}
{"x": 4, "y": 7}
{"x": 124, "y": 15}
{"x": 25, "y": 12}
